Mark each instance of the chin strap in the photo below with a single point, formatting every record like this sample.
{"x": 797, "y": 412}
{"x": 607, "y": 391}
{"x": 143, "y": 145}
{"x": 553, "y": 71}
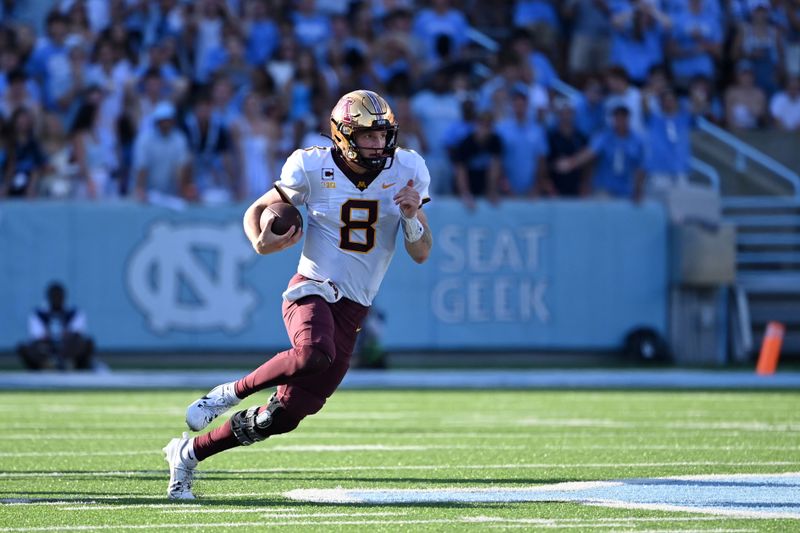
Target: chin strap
{"x": 412, "y": 228}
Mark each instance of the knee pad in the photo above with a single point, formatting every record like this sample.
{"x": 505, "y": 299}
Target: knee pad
{"x": 250, "y": 426}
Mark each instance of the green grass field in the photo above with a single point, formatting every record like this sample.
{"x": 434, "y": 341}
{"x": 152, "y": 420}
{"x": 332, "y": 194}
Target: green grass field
{"x": 75, "y": 461}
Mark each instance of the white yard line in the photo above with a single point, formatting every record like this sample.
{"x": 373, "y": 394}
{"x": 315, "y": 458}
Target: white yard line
{"x": 554, "y": 524}
{"x": 353, "y": 435}
{"x": 89, "y": 506}
{"x": 545, "y": 521}
{"x": 92, "y": 501}
{"x": 182, "y": 526}
{"x": 510, "y": 466}
{"x": 720, "y": 511}
{"x": 422, "y": 436}
{"x": 272, "y": 449}
{"x": 186, "y": 508}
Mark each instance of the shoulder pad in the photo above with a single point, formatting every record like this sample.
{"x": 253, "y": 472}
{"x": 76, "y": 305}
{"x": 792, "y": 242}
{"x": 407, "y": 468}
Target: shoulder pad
{"x": 313, "y": 157}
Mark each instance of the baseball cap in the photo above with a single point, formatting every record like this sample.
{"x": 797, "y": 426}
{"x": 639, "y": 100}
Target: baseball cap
{"x": 163, "y": 111}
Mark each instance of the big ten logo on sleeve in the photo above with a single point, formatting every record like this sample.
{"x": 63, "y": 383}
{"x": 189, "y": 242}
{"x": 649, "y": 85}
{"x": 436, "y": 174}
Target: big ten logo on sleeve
{"x": 328, "y": 181}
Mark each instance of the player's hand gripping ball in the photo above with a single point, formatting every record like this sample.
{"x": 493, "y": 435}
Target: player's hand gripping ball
{"x": 286, "y": 216}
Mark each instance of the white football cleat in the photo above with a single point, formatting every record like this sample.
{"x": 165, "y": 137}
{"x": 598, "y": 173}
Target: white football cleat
{"x": 218, "y": 400}
{"x": 180, "y": 456}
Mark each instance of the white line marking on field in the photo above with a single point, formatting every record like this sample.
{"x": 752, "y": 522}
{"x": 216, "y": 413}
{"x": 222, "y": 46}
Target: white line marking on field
{"x": 76, "y": 436}
{"x": 742, "y": 426}
{"x": 371, "y": 415}
{"x": 634, "y": 519}
{"x": 100, "y": 427}
{"x": 626, "y": 528}
{"x": 749, "y": 496}
{"x": 390, "y": 468}
{"x": 694, "y": 509}
{"x": 29, "y": 501}
{"x": 717, "y": 530}
{"x": 104, "y": 500}
{"x": 113, "y": 409}
{"x": 677, "y": 446}
{"x": 576, "y": 423}
{"x": 272, "y": 449}
{"x": 466, "y": 494}
{"x": 622, "y": 525}
{"x": 512, "y": 466}
{"x": 178, "y": 508}
{"x": 190, "y": 508}
{"x": 231, "y": 510}
{"x": 331, "y": 515}
{"x": 342, "y": 435}
{"x": 205, "y": 526}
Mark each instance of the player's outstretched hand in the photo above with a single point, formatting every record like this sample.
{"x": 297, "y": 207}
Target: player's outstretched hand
{"x": 408, "y": 200}
{"x": 268, "y": 242}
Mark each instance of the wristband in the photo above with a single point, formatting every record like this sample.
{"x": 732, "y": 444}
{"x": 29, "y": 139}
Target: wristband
{"x": 412, "y": 228}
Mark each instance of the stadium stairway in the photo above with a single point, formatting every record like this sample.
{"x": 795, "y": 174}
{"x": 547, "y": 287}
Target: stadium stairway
{"x": 761, "y": 195}
{"x": 768, "y": 262}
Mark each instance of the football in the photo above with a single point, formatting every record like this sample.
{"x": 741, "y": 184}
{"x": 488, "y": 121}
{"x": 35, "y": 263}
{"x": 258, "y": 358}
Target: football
{"x": 286, "y": 216}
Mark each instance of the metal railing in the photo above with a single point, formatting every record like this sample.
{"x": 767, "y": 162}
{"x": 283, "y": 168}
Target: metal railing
{"x": 481, "y": 39}
{"x": 703, "y": 168}
{"x": 566, "y": 90}
{"x": 745, "y": 152}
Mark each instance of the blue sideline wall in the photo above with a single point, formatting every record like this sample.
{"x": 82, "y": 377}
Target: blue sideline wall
{"x": 542, "y": 275}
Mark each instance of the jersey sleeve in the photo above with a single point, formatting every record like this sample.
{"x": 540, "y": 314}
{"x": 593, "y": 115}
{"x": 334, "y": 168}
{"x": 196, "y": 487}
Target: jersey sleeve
{"x": 293, "y": 183}
{"x": 422, "y": 181}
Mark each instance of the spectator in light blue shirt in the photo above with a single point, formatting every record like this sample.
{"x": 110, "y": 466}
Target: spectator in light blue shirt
{"x": 522, "y": 44}
{"x": 541, "y": 18}
{"x": 618, "y": 153}
{"x": 440, "y": 19}
{"x": 50, "y": 56}
{"x": 696, "y": 43}
{"x": 162, "y": 161}
{"x": 437, "y": 108}
{"x": 668, "y": 145}
{"x": 524, "y": 147}
{"x": 590, "y": 109}
{"x": 531, "y": 12}
{"x": 591, "y": 31}
{"x": 261, "y": 33}
{"x": 636, "y": 42}
{"x": 311, "y": 28}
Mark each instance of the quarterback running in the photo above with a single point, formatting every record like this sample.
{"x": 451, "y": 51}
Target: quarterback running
{"x": 358, "y": 195}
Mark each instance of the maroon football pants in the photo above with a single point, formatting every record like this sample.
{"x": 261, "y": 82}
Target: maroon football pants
{"x": 323, "y": 336}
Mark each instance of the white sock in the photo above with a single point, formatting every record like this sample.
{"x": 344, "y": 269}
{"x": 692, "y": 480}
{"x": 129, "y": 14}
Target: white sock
{"x": 229, "y": 390}
{"x": 187, "y": 454}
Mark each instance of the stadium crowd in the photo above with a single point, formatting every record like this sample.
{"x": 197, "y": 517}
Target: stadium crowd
{"x": 175, "y": 101}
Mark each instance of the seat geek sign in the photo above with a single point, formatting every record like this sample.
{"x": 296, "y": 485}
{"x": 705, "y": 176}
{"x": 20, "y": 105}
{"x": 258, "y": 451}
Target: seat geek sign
{"x": 490, "y": 275}
{"x": 531, "y": 275}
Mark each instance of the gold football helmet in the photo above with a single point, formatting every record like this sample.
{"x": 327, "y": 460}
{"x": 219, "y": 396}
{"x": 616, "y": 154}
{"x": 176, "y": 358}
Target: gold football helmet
{"x": 363, "y": 110}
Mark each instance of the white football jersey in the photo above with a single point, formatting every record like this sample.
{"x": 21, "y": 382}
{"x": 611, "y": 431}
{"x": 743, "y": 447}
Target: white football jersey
{"x": 350, "y": 234}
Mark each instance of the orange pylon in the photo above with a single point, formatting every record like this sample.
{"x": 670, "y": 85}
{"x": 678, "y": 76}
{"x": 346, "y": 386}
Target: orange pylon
{"x": 770, "y": 349}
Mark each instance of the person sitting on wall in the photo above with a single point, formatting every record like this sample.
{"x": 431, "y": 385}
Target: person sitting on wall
{"x": 58, "y": 337}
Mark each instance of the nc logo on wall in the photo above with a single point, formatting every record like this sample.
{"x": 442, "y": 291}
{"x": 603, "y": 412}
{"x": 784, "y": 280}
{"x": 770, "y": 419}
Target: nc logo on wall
{"x": 188, "y": 277}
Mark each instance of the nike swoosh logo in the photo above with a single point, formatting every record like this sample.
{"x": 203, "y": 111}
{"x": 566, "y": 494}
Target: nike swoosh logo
{"x": 387, "y": 185}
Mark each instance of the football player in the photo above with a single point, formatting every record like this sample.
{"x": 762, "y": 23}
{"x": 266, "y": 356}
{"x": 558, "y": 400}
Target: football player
{"x": 358, "y": 195}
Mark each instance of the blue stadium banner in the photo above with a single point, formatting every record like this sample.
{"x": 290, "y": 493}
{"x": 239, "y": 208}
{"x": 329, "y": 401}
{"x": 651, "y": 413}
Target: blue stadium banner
{"x": 523, "y": 275}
